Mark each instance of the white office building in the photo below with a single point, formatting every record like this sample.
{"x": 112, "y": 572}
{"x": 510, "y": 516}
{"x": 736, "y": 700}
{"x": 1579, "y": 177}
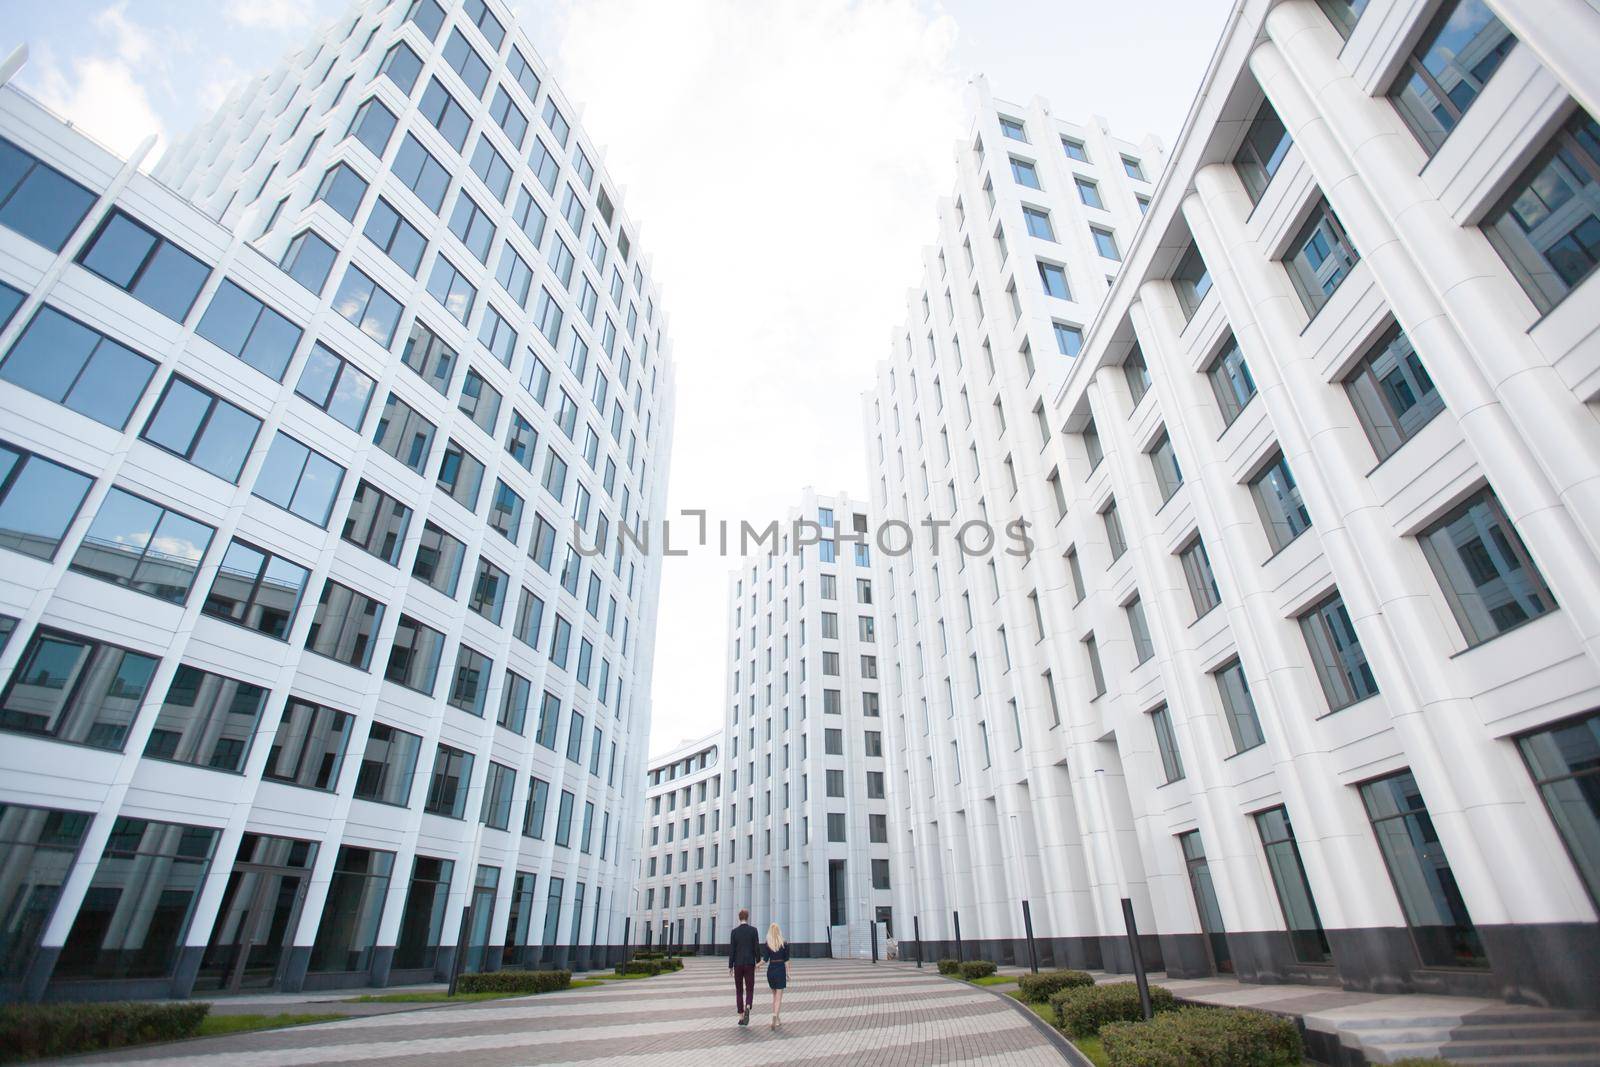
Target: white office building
{"x": 675, "y": 888}
{"x": 804, "y": 837}
{"x": 309, "y": 667}
{"x": 1303, "y": 662}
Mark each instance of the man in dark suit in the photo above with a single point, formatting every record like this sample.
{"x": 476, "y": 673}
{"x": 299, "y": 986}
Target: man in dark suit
{"x": 744, "y": 950}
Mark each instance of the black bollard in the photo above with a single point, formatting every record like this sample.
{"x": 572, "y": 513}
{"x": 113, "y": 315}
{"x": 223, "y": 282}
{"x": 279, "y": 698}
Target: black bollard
{"x": 1027, "y": 924}
{"x": 1138, "y": 957}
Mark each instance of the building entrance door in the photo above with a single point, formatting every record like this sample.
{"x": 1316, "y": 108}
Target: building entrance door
{"x": 260, "y": 909}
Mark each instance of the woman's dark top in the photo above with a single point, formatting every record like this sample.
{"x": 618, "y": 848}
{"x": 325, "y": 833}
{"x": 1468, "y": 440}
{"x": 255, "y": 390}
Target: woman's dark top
{"x": 777, "y": 966}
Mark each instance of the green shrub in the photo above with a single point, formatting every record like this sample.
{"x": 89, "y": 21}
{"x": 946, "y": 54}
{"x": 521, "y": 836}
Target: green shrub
{"x": 646, "y": 955}
{"x": 637, "y": 966}
{"x": 1082, "y": 1010}
{"x": 977, "y": 969}
{"x": 514, "y": 982}
{"x": 1038, "y": 988}
{"x": 1204, "y": 1037}
{"x": 32, "y": 1031}
{"x": 948, "y": 966}
{"x": 671, "y": 963}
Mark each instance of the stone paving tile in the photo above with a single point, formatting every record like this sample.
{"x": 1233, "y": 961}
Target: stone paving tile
{"x": 836, "y": 1012}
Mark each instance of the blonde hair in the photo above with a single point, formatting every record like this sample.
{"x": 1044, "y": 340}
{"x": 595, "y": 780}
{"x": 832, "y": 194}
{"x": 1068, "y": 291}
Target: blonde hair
{"x": 774, "y": 938}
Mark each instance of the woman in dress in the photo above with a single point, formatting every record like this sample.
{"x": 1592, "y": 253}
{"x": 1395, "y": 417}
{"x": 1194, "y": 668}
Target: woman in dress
{"x": 776, "y": 955}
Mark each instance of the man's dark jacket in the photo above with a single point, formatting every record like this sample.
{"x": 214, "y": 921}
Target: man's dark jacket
{"x": 744, "y": 946}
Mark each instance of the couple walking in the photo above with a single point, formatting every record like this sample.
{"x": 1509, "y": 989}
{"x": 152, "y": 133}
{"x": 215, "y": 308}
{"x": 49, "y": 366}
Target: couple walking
{"x": 744, "y": 949}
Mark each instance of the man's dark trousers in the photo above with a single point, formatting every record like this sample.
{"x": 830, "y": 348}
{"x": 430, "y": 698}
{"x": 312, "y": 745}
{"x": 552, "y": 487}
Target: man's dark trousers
{"x": 744, "y": 987}
{"x": 744, "y": 952}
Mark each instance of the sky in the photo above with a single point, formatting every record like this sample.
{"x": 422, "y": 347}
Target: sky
{"x": 781, "y": 159}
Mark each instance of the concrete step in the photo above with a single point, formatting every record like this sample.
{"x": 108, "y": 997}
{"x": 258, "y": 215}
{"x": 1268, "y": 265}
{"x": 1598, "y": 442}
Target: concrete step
{"x": 1451, "y": 1020}
{"x": 1526, "y": 1033}
{"x": 1573, "y": 1050}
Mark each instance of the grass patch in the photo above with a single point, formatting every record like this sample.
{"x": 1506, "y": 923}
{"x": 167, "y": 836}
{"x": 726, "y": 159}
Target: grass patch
{"x": 620, "y": 977}
{"x": 1089, "y": 1046}
{"x": 995, "y": 979}
{"x": 584, "y": 983}
{"x": 215, "y": 1025}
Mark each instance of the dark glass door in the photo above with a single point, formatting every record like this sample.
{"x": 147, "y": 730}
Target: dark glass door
{"x": 260, "y": 909}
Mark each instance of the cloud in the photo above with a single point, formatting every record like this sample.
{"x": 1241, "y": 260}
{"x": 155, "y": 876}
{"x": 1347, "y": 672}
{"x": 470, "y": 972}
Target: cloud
{"x": 103, "y": 97}
{"x": 782, "y": 161}
{"x": 271, "y": 14}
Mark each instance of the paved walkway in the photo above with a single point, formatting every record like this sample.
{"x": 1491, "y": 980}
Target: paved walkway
{"x": 836, "y": 1012}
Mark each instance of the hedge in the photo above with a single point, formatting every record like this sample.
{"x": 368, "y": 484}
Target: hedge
{"x": 644, "y": 955}
{"x": 514, "y": 982}
{"x": 1082, "y": 1010}
{"x": 973, "y": 969}
{"x": 1204, "y": 1037}
{"x": 1038, "y": 988}
{"x": 32, "y": 1031}
{"x": 948, "y": 966}
{"x": 638, "y": 966}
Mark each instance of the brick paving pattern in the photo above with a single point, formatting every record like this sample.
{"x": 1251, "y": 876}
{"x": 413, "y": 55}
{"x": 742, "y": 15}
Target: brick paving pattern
{"x": 836, "y": 1012}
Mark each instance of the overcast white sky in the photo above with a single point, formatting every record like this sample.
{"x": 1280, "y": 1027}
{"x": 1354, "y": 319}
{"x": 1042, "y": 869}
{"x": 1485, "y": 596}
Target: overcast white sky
{"x": 782, "y": 159}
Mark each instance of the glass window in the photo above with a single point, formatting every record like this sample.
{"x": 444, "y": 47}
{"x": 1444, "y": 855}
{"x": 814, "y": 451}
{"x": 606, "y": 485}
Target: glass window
{"x": 1457, "y": 54}
{"x": 1565, "y": 763}
{"x": 404, "y": 434}
{"x": 377, "y": 522}
{"x": 1484, "y": 569}
{"x": 522, "y": 71}
{"x": 512, "y": 122}
{"x": 514, "y": 696}
{"x": 451, "y": 289}
{"x": 469, "y": 686}
{"x": 163, "y": 867}
{"x": 1105, "y": 243}
{"x": 472, "y": 225}
{"x": 521, "y": 440}
{"x": 1266, "y": 142}
{"x": 497, "y": 335}
{"x": 1054, "y": 278}
{"x": 388, "y": 765}
{"x": 1074, "y": 149}
{"x": 41, "y": 847}
{"x": 421, "y": 173}
{"x": 488, "y": 597}
{"x": 464, "y": 59}
{"x": 422, "y": 919}
{"x": 1306, "y": 935}
{"x": 1343, "y": 14}
{"x": 38, "y": 501}
{"x": 75, "y": 689}
{"x": 1132, "y": 169}
{"x": 492, "y": 168}
{"x": 478, "y": 13}
{"x": 546, "y": 165}
{"x": 1320, "y": 257}
{"x": 479, "y": 401}
{"x": 529, "y": 620}
{"x": 1278, "y": 502}
{"x": 373, "y": 125}
{"x": 367, "y": 306}
{"x": 447, "y": 116}
{"x": 1240, "y": 707}
{"x": 206, "y": 720}
{"x": 1089, "y": 193}
{"x": 1024, "y": 173}
{"x": 300, "y": 480}
{"x": 514, "y": 275}
{"x": 1069, "y": 338}
{"x": 1115, "y": 540}
{"x": 1139, "y": 630}
{"x": 345, "y": 625}
{"x": 1197, "y": 572}
{"x": 401, "y": 64}
{"x": 136, "y": 259}
{"x": 307, "y": 260}
{"x": 1392, "y": 393}
{"x": 38, "y": 201}
{"x": 1169, "y": 476}
{"x": 309, "y": 746}
{"x": 556, "y": 121}
{"x": 414, "y": 656}
{"x": 202, "y": 428}
{"x": 461, "y": 476}
{"x": 1231, "y": 381}
{"x": 564, "y": 820}
{"x": 348, "y": 932}
{"x": 505, "y": 511}
{"x": 1166, "y": 743}
{"x": 549, "y": 721}
{"x": 143, "y": 546}
{"x": 1192, "y": 280}
{"x": 336, "y": 386}
{"x": 1435, "y": 911}
{"x": 1547, "y": 226}
{"x": 256, "y": 589}
{"x": 342, "y": 189}
{"x": 10, "y": 300}
{"x": 575, "y": 736}
{"x": 427, "y": 354}
{"x": 1091, "y": 646}
{"x": 1337, "y": 653}
{"x": 65, "y": 361}
{"x": 397, "y": 238}
{"x": 238, "y": 323}
{"x": 497, "y": 791}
